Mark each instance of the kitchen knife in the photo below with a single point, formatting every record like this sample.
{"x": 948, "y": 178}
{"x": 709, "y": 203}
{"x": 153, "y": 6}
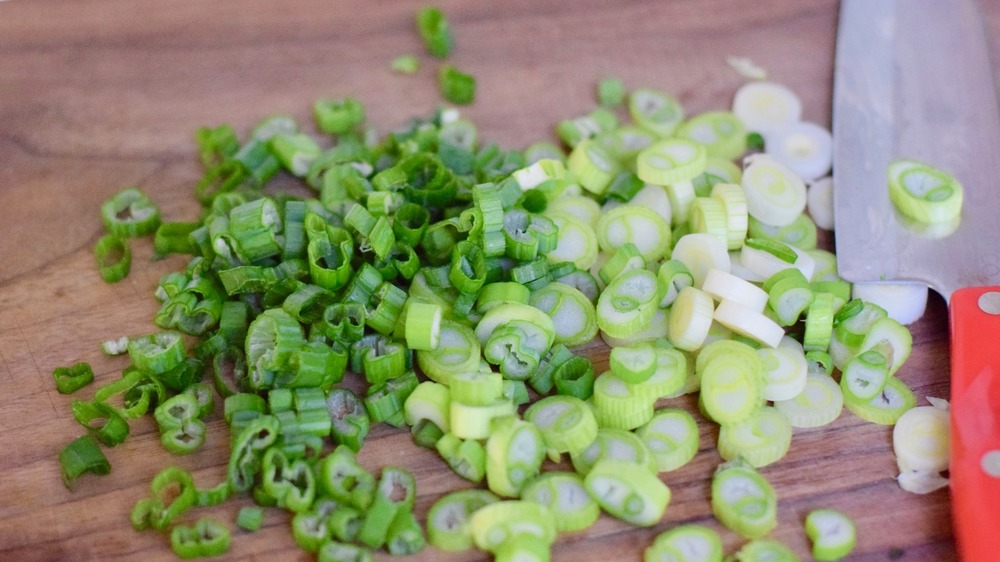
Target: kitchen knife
{"x": 913, "y": 80}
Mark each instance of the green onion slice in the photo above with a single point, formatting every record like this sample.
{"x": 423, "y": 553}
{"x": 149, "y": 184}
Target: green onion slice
{"x": 572, "y": 508}
{"x": 742, "y": 500}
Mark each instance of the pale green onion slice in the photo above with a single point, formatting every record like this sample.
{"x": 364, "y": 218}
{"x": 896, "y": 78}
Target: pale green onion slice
{"x": 865, "y": 375}
{"x": 573, "y": 315}
{"x": 785, "y": 369}
{"x": 567, "y": 424}
{"x": 628, "y": 303}
{"x": 429, "y": 401}
{"x": 476, "y": 388}
{"x": 788, "y": 295}
{"x": 747, "y": 322}
{"x": 582, "y": 207}
{"x": 708, "y": 215}
{"x": 921, "y": 439}
{"x": 722, "y": 133}
{"x": 617, "y": 405}
{"x": 690, "y": 318}
{"x": 890, "y": 338}
{"x": 566, "y": 497}
{"x": 853, "y": 322}
{"x": 885, "y": 408}
{"x": 717, "y": 170}
{"x": 633, "y": 364}
{"x": 506, "y": 313}
{"x": 731, "y": 387}
{"x": 903, "y": 302}
{"x": 765, "y": 550}
{"x": 672, "y": 436}
{"x": 671, "y": 161}
{"x": 738, "y": 269}
{"x": 628, "y": 491}
{"x": 725, "y": 346}
{"x": 576, "y": 242}
{"x": 422, "y": 325}
{"x": 637, "y": 225}
{"x": 819, "y": 403}
{"x": 592, "y": 166}
{"x": 514, "y": 454}
{"x": 476, "y": 422}
{"x": 618, "y": 444}
{"x": 458, "y": 351}
{"x": 538, "y": 173}
{"x": 775, "y": 194}
{"x": 448, "y": 519}
{"x": 516, "y": 347}
{"x": 761, "y": 439}
{"x": 656, "y": 328}
{"x": 685, "y": 543}
{"x": 655, "y": 111}
{"x": 700, "y": 253}
{"x": 624, "y": 258}
{"x": 501, "y": 292}
{"x": 681, "y": 195}
{"x": 767, "y": 257}
{"x": 924, "y": 193}
{"x": 673, "y": 376}
{"x": 805, "y": 147}
{"x": 723, "y": 285}
{"x": 734, "y": 203}
{"x": 832, "y": 534}
{"x": 654, "y": 197}
{"x": 525, "y": 548}
{"x": 743, "y": 500}
{"x": 801, "y": 233}
{"x": 765, "y": 106}
{"x": 671, "y": 277}
{"x": 819, "y": 202}
{"x": 500, "y": 522}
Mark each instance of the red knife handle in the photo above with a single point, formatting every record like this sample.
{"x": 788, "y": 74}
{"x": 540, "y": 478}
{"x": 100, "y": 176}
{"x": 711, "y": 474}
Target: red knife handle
{"x": 975, "y": 422}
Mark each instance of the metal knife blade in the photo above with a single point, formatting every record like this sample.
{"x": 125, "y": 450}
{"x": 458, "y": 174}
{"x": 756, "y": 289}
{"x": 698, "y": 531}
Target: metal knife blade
{"x": 913, "y": 80}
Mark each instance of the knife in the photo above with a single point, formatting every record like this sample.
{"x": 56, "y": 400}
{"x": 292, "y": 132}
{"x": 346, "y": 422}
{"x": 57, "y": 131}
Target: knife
{"x": 913, "y": 79}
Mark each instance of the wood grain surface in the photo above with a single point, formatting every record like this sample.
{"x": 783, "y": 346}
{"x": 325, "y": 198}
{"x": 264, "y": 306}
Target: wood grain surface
{"x": 96, "y": 95}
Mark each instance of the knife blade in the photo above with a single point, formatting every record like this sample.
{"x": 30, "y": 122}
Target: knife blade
{"x": 913, "y": 79}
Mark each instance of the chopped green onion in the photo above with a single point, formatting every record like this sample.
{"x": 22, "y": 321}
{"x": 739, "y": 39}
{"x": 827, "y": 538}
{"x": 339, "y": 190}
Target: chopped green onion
{"x": 628, "y": 491}
{"x": 80, "y": 456}
{"x": 761, "y": 439}
{"x": 672, "y": 437}
{"x": 702, "y": 543}
{"x": 70, "y": 379}
{"x": 456, "y": 86}
{"x": 514, "y": 454}
{"x": 502, "y": 522}
{"x": 831, "y": 532}
{"x": 566, "y": 497}
{"x": 610, "y": 92}
{"x": 435, "y": 32}
{"x": 924, "y": 193}
{"x": 130, "y": 213}
{"x": 114, "y": 257}
{"x": 655, "y": 111}
{"x": 207, "y": 537}
{"x": 743, "y": 500}
{"x": 567, "y": 424}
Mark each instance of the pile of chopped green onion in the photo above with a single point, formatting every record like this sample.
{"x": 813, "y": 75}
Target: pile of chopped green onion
{"x": 457, "y": 279}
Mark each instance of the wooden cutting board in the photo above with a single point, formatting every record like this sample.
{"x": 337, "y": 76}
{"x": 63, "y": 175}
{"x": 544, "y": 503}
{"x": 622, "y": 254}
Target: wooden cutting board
{"x": 96, "y": 95}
